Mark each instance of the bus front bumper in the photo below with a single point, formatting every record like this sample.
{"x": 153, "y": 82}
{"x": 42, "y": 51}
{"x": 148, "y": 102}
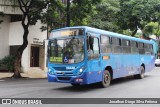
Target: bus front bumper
{"x": 85, "y": 78}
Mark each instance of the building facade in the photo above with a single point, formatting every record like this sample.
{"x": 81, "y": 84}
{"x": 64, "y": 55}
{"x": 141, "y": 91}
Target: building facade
{"x": 11, "y": 37}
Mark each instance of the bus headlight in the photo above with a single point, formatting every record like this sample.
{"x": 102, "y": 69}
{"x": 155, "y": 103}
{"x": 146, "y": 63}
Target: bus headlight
{"x": 51, "y": 72}
{"x": 81, "y": 70}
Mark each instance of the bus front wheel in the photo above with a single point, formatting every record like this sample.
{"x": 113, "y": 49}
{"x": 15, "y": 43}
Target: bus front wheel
{"x": 141, "y": 75}
{"x": 106, "y": 79}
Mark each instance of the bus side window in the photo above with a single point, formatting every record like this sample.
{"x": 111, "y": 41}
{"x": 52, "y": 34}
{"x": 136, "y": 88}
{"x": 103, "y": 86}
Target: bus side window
{"x": 126, "y": 46}
{"x": 93, "y": 47}
{"x": 105, "y": 44}
{"x": 134, "y": 47}
{"x": 151, "y": 49}
{"x": 90, "y": 41}
{"x": 147, "y": 49}
{"x": 141, "y": 48}
{"x": 116, "y": 45}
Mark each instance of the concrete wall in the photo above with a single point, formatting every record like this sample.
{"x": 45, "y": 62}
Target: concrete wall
{"x": 4, "y": 36}
{"x": 36, "y": 33}
{"x": 11, "y": 33}
{"x": 15, "y": 33}
{"x": 7, "y": 8}
{"x": 41, "y": 58}
{"x": 35, "y": 37}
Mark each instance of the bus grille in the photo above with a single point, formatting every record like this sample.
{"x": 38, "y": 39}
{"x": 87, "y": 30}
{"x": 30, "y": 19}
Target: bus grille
{"x": 62, "y": 69}
{"x": 64, "y": 73}
{"x": 64, "y": 78}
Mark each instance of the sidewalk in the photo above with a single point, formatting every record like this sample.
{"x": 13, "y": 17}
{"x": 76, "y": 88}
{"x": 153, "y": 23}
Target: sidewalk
{"x": 29, "y": 74}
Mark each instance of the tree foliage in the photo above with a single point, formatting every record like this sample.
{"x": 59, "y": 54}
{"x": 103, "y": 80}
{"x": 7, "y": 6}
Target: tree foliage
{"x": 82, "y": 10}
{"x": 136, "y": 14}
{"x": 105, "y": 17}
{"x": 53, "y": 16}
{"x": 8, "y": 61}
{"x": 60, "y": 14}
{"x": 152, "y": 28}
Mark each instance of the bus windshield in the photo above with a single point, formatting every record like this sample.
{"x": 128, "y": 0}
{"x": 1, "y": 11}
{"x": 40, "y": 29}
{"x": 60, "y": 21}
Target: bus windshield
{"x": 70, "y": 50}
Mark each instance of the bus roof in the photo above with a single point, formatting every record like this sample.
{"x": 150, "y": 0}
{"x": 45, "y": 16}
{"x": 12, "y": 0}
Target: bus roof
{"x": 108, "y": 33}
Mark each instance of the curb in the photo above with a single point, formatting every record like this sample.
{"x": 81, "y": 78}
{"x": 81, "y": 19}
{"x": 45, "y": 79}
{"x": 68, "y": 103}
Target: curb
{"x": 26, "y": 75}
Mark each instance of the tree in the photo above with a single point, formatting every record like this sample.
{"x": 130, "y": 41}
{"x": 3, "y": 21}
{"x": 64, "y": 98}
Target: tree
{"x": 30, "y": 9}
{"x": 54, "y": 16}
{"x": 152, "y": 28}
{"x": 33, "y": 10}
{"x": 68, "y": 13}
{"x": 136, "y": 14}
{"x": 81, "y": 11}
{"x": 73, "y": 13}
{"x": 105, "y": 17}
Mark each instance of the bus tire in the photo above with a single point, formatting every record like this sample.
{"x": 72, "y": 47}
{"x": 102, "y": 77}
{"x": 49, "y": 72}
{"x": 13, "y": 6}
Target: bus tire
{"x": 141, "y": 75}
{"x": 106, "y": 80}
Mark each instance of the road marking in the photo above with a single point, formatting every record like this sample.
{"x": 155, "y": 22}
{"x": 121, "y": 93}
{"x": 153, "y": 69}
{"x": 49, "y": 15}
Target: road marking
{"x": 1, "y": 80}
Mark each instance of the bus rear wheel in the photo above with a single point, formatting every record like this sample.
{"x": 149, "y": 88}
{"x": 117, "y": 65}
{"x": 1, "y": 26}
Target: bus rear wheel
{"x": 106, "y": 79}
{"x": 141, "y": 75}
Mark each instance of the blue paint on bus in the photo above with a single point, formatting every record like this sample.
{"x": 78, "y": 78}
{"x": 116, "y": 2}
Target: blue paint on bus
{"x": 90, "y": 69}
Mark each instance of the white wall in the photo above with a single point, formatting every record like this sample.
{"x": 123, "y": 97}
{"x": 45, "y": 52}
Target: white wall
{"x": 16, "y": 33}
{"x": 35, "y": 32}
{"x": 26, "y": 59}
{"x": 4, "y": 36}
{"x": 16, "y": 38}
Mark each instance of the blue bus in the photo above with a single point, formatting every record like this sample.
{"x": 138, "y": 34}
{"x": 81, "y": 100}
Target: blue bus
{"x": 85, "y": 55}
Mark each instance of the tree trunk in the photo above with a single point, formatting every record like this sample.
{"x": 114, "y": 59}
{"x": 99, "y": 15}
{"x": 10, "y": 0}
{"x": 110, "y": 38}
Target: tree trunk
{"x": 17, "y": 66}
{"x": 17, "y": 62}
{"x": 144, "y": 36}
{"x": 26, "y": 19}
{"x": 68, "y": 13}
{"x": 134, "y": 32}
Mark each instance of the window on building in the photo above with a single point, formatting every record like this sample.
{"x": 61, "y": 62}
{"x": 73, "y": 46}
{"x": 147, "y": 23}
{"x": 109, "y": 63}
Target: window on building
{"x": 13, "y": 49}
{"x": 15, "y": 18}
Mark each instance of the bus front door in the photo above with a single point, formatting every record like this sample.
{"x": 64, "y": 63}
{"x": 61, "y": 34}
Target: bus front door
{"x": 94, "y": 61}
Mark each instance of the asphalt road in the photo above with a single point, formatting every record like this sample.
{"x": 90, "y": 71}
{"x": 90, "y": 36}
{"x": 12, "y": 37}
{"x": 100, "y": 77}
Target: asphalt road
{"x": 149, "y": 87}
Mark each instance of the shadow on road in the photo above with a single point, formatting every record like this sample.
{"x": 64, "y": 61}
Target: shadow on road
{"x": 127, "y": 79}
{"x": 78, "y": 88}
{"x": 96, "y": 86}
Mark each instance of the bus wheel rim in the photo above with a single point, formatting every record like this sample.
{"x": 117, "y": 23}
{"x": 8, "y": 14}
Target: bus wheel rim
{"x": 142, "y": 72}
{"x": 106, "y": 78}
